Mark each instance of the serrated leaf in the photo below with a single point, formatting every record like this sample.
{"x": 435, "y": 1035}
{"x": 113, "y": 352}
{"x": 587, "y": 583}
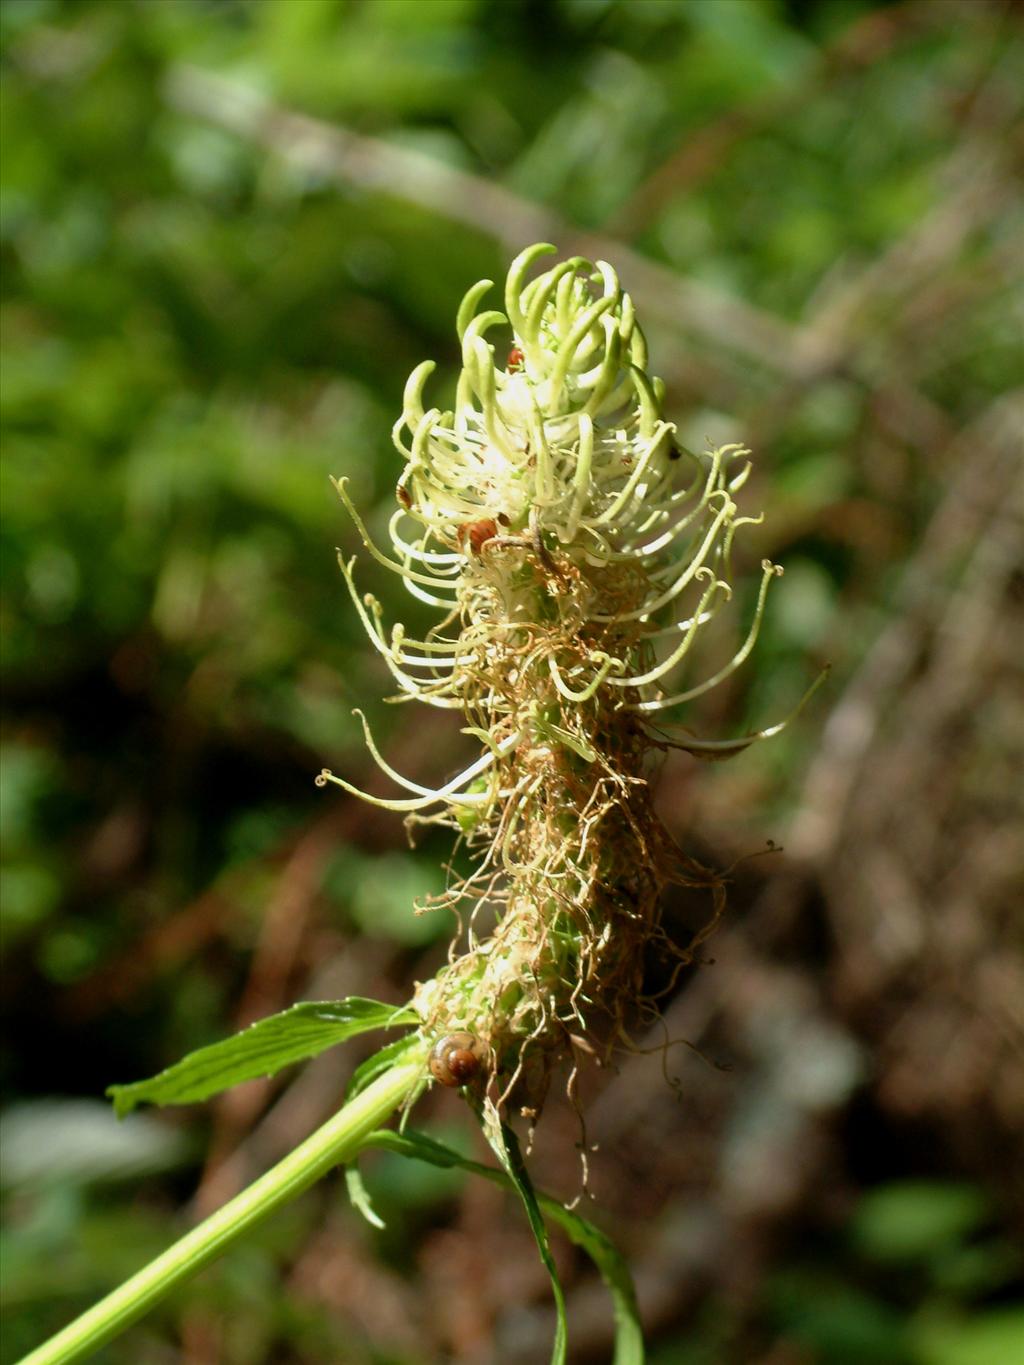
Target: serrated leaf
{"x": 391, "y": 1054}
{"x": 263, "y": 1049}
{"x": 629, "y": 1346}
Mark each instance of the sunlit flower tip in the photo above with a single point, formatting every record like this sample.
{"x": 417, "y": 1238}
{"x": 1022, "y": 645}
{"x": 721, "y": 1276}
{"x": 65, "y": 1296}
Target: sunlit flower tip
{"x": 548, "y": 427}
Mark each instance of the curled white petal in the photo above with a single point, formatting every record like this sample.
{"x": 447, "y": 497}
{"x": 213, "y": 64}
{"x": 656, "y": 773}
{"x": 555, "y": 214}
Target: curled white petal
{"x": 724, "y": 747}
{"x": 768, "y": 572}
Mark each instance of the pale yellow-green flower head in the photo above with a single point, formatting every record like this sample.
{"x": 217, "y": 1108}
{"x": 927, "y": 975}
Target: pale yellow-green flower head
{"x": 551, "y": 425}
{"x": 557, "y": 449}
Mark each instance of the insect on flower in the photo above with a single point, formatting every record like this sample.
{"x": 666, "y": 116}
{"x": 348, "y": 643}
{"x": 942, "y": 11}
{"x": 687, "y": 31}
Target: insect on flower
{"x": 454, "y": 1060}
{"x": 516, "y": 360}
{"x": 478, "y": 533}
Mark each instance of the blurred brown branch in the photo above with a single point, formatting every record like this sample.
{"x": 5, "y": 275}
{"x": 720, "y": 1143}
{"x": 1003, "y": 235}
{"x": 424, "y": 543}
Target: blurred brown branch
{"x": 704, "y": 150}
{"x": 979, "y": 177}
{"x": 374, "y": 164}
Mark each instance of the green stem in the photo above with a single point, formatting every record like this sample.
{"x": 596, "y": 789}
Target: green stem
{"x": 336, "y": 1142}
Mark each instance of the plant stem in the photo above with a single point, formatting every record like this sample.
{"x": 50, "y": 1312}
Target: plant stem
{"x": 336, "y": 1142}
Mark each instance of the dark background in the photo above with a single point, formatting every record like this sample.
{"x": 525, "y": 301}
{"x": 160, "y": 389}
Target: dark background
{"x": 210, "y": 303}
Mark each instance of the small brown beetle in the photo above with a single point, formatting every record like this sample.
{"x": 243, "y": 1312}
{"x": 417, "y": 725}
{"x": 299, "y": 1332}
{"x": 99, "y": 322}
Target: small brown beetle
{"x": 477, "y": 533}
{"x": 454, "y": 1060}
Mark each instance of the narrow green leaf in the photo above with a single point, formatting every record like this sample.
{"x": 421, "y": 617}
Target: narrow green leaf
{"x": 629, "y": 1345}
{"x": 629, "y": 1339}
{"x": 359, "y": 1197}
{"x": 505, "y": 1146}
{"x": 261, "y": 1050}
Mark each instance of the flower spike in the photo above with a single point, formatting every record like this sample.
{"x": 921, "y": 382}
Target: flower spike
{"x": 577, "y": 553}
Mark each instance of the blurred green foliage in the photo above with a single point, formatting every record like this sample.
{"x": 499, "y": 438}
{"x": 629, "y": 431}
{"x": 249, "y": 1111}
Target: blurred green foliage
{"x": 198, "y": 331}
